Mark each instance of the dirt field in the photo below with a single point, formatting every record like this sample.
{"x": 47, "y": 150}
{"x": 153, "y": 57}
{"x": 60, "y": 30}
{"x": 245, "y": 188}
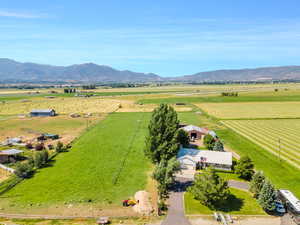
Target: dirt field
{"x": 238, "y": 221}
{"x": 29, "y": 128}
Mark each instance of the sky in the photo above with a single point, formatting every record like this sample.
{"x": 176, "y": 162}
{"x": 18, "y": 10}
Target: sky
{"x": 166, "y": 37}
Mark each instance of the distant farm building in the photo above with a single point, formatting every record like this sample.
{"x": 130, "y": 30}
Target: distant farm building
{"x": 9, "y": 155}
{"x": 196, "y": 133}
{"x": 12, "y": 141}
{"x": 42, "y": 112}
{"x": 193, "y": 158}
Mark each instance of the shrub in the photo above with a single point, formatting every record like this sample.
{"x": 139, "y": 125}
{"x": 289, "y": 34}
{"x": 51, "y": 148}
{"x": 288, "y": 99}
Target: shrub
{"x": 24, "y": 170}
{"x": 59, "y": 147}
{"x": 39, "y": 147}
{"x": 28, "y": 146}
{"x": 218, "y": 146}
{"x": 41, "y": 159}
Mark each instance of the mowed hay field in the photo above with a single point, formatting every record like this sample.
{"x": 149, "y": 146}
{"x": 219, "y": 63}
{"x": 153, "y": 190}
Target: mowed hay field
{"x": 267, "y": 134}
{"x": 61, "y": 105}
{"x": 104, "y": 166}
{"x": 68, "y": 128}
{"x": 252, "y": 110}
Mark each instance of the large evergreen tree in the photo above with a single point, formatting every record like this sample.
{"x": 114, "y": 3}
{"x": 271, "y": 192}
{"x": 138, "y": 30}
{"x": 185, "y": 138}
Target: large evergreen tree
{"x": 162, "y": 141}
{"x": 183, "y": 138}
{"x": 210, "y": 189}
{"x": 245, "y": 168}
{"x": 257, "y": 183}
{"x": 267, "y": 196}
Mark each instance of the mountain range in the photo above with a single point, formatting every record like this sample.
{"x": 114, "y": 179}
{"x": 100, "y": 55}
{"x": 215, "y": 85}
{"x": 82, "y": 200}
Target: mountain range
{"x": 15, "y": 72}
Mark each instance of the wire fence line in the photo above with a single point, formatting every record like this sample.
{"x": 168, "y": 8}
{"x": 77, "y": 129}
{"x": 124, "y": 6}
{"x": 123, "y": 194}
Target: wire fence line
{"x": 123, "y": 163}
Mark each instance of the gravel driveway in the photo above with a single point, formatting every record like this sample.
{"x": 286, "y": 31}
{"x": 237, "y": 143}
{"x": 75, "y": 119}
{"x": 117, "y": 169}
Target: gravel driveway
{"x": 176, "y": 209}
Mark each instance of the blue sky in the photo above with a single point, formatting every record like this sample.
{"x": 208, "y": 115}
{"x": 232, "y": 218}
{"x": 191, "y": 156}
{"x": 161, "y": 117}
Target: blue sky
{"x": 167, "y": 37}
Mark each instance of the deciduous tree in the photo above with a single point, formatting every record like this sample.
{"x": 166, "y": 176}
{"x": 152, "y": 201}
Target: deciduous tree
{"x": 245, "y": 168}
{"x": 210, "y": 189}
{"x": 162, "y": 142}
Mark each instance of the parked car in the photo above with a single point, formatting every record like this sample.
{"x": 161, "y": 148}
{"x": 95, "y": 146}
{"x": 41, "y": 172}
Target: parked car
{"x": 279, "y": 207}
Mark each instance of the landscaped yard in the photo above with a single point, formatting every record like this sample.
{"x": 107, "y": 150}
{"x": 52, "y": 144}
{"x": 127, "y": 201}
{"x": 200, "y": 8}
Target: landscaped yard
{"x": 239, "y": 203}
{"x": 104, "y": 166}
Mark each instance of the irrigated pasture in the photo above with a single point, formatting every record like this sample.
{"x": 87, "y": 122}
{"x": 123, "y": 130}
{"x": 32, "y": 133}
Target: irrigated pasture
{"x": 280, "y": 137}
{"x": 252, "y": 110}
{"x": 105, "y": 165}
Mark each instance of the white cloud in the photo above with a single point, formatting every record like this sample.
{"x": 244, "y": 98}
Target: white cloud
{"x": 21, "y": 15}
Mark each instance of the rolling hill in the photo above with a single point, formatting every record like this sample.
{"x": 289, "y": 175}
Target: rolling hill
{"x": 16, "y": 72}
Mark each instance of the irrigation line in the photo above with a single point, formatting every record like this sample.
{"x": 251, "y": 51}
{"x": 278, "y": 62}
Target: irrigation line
{"x": 116, "y": 178}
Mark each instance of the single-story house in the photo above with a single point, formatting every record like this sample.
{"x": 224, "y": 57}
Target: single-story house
{"x": 42, "y": 112}
{"x": 196, "y": 133}
{"x": 193, "y": 158}
{"x": 9, "y": 155}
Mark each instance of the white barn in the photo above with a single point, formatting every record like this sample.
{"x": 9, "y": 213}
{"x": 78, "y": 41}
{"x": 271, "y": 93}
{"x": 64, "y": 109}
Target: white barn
{"x": 189, "y": 158}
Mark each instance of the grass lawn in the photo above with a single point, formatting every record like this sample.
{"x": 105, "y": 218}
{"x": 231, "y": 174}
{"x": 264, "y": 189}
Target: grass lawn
{"x": 105, "y": 165}
{"x": 227, "y": 175}
{"x": 239, "y": 203}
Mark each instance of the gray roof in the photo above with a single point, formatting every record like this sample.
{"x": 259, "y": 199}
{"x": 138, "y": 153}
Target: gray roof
{"x": 215, "y": 157}
{"x": 10, "y": 152}
{"x": 42, "y": 110}
{"x": 192, "y": 127}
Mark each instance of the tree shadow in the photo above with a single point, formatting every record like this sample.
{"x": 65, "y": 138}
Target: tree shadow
{"x": 231, "y": 204}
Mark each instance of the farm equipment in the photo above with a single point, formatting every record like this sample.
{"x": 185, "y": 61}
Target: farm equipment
{"x": 129, "y": 202}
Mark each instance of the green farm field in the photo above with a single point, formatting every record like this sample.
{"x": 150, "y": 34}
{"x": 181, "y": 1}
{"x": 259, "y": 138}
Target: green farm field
{"x": 104, "y": 166}
{"x": 252, "y": 110}
{"x": 268, "y": 133}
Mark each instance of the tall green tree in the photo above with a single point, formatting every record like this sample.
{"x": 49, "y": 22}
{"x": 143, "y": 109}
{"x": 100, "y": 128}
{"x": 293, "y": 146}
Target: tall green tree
{"x": 164, "y": 175}
{"x": 210, "y": 189}
{"x": 209, "y": 141}
{"x": 245, "y": 168}
{"x": 183, "y": 138}
{"x": 24, "y": 170}
{"x": 162, "y": 142}
{"x": 267, "y": 196}
{"x": 218, "y": 146}
{"x": 257, "y": 183}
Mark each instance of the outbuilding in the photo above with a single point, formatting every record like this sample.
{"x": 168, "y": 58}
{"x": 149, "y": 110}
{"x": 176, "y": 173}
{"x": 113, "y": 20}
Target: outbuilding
{"x": 9, "y": 155}
{"x": 194, "y": 132}
{"x": 42, "y": 112}
{"x": 193, "y": 158}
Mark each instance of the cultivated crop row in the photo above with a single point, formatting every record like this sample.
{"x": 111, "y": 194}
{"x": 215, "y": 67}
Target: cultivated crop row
{"x": 280, "y": 137}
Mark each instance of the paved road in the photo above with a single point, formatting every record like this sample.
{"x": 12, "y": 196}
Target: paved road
{"x": 176, "y": 209}
{"x": 238, "y": 184}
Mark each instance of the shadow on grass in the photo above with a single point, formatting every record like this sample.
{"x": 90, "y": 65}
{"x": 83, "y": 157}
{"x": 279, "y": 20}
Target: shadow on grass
{"x": 231, "y": 204}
